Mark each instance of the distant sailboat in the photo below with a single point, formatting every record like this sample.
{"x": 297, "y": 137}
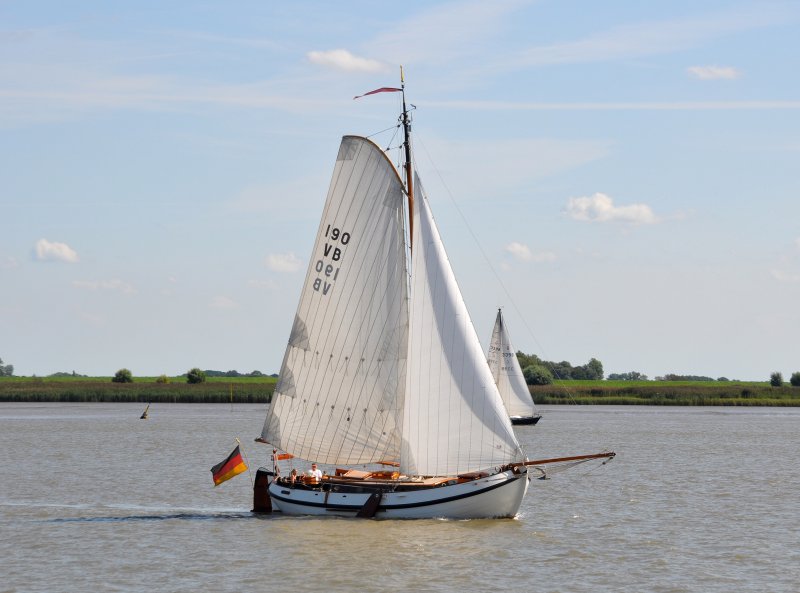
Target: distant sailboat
{"x": 383, "y": 365}
{"x": 144, "y": 414}
{"x": 508, "y": 377}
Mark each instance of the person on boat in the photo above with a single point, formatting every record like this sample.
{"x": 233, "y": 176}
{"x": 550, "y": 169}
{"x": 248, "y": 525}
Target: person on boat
{"x": 293, "y": 476}
{"x": 315, "y": 472}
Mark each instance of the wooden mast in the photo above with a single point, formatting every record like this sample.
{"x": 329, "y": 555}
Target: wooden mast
{"x": 407, "y": 165}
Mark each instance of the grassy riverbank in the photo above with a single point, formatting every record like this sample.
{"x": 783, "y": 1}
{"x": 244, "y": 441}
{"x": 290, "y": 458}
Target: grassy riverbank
{"x": 667, "y": 393}
{"x": 249, "y": 390}
{"x": 259, "y": 390}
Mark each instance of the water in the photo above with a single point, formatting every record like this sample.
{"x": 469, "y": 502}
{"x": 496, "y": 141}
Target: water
{"x": 697, "y": 500}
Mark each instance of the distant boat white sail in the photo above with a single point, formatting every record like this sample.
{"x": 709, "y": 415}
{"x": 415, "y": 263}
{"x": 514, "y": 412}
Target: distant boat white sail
{"x": 508, "y": 376}
{"x": 383, "y": 366}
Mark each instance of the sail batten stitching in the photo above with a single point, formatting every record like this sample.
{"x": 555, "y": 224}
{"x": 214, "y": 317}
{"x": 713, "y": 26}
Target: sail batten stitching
{"x": 322, "y": 381}
{"x": 343, "y": 175}
{"x": 371, "y": 212}
{"x": 387, "y": 296}
{"x": 338, "y": 168}
{"x": 332, "y": 311}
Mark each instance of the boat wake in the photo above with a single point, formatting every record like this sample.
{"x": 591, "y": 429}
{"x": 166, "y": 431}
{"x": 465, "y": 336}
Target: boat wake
{"x": 168, "y": 517}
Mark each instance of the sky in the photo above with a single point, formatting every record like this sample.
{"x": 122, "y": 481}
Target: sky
{"x": 621, "y": 177}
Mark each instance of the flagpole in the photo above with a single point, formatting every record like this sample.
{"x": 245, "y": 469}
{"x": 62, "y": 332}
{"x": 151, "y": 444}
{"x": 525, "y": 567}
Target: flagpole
{"x": 247, "y": 463}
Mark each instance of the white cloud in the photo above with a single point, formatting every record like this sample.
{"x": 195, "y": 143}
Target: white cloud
{"x": 523, "y": 253}
{"x": 600, "y": 208}
{"x": 223, "y": 302}
{"x": 283, "y": 262}
{"x": 341, "y": 59}
{"x": 47, "y": 251}
{"x": 519, "y": 250}
{"x": 714, "y": 72}
{"x": 117, "y": 285}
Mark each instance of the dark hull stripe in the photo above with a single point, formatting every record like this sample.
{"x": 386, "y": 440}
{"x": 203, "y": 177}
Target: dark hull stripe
{"x": 356, "y": 507}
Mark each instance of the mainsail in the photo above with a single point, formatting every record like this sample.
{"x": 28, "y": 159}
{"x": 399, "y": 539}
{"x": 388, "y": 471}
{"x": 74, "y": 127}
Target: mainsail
{"x": 503, "y": 363}
{"x": 340, "y": 391}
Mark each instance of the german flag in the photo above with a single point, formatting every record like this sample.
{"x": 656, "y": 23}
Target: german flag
{"x": 232, "y": 466}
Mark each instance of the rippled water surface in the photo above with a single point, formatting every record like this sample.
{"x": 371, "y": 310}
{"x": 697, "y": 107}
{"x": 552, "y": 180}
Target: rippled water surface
{"x": 698, "y": 499}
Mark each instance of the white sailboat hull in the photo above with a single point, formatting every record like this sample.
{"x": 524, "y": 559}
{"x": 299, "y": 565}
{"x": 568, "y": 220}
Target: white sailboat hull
{"x": 495, "y": 496}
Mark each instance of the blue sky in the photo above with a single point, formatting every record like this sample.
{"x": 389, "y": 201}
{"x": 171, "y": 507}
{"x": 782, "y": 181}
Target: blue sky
{"x": 622, "y": 177}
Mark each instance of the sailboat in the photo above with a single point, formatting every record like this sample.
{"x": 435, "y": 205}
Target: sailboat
{"x": 508, "y": 377}
{"x": 144, "y": 415}
{"x": 383, "y": 370}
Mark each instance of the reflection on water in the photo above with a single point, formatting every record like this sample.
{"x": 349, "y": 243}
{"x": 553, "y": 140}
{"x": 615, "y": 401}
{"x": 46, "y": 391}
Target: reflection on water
{"x": 698, "y": 499}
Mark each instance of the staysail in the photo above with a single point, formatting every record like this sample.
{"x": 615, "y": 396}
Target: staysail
{"x": 503, "y": 363}
{"x": 454, "y": 420}
{"x": 340, "y": 390}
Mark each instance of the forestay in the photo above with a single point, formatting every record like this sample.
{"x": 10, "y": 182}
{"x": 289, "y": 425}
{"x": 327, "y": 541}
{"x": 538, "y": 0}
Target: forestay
{"x": 507, "y": 373}
{"x": 340, "y": 391}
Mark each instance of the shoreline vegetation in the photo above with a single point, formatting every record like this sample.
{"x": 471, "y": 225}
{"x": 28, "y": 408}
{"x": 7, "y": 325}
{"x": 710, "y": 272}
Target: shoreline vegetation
{"x": 237, "y": 390}
{"x": 257, "y": 390}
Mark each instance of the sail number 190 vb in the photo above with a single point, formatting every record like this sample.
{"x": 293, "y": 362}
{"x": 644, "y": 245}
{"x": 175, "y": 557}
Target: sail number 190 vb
{"x": 328, "y": 272}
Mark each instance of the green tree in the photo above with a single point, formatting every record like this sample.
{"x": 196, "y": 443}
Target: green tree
{"x": 195, "y": 376}
{"x": 526, "y": 360}
{"x": 561, "y": 370}
{"x": 795, "y": 379}
{"x": 537, "y": 374}
{"x": 595, "y": 368}
{"x": 632, "y": 376}
{"x": 591, "y": 371}
{"x": 776, "y": 379}
{"x": 162, "y": 379}
{"x": 122, "y": 376}
{"x": 7, "y": 370}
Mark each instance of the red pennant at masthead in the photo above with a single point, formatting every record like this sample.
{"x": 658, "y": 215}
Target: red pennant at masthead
{"x": 384, "y": 89}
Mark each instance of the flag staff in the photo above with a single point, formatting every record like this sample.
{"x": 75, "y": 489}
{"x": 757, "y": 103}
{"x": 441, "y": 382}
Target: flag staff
{"x": 239, "y": 443}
